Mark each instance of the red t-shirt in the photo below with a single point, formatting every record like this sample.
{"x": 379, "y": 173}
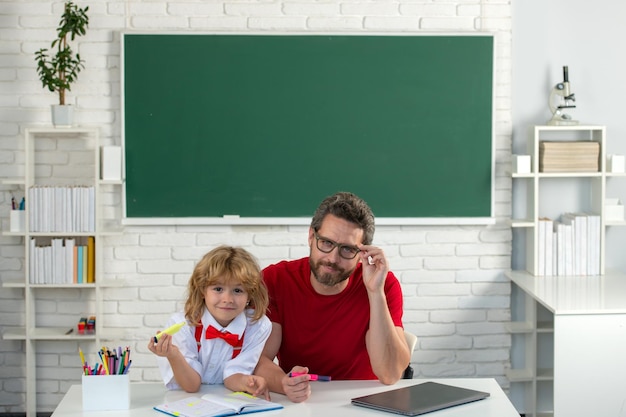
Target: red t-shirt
{"x": 325, "y": 333}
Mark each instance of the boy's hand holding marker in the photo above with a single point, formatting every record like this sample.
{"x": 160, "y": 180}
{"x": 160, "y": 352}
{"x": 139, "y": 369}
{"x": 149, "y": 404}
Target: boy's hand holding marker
{"x": 313, "y": 377}
{"x": 173, "y": 329}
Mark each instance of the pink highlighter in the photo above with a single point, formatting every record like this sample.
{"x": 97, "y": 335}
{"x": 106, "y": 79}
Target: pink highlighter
{"x": 314, "y": 377}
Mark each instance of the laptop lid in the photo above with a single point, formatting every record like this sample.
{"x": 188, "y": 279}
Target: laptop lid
{"x": 419, "y": 399}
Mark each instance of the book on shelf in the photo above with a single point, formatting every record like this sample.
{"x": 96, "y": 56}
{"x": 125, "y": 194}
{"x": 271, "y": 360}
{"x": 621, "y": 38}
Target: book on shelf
{"x": 568, "y": 256}
{"x": 75, "y": 208}
{"x": 555, "y": 255}
{"x": 541, "y": 247}
{"x": 61, "y": 261}
{"x": 593, "y": 247}
{"x": 569, "y": 156}
{"x": 46, "y": 273}
{"x": 79, "y": 265}
{"x": 560, "y": 248}
{"x": 91, "y": 256}
{"x": 75, "y": 265}
{"x": 61, "y": 209}
{"x": 549, "y": 247}
{"x": 57, "y": 266}
{"x": 564, "y": 249}
{"x": 91, "y": 209}
{"x": 213, "y": 405}
{"x": 577, "y": 244}
{"x": 545, "y": 244}
{"x": 570, "y": 220}
{"x": 85, "y": 264}
{"x": 70, "y": 245}
{"x": 581, "y": 241}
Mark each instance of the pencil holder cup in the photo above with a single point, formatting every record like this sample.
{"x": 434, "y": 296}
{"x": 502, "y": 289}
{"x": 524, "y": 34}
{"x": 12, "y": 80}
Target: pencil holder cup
{"x": 17, "y": 221}
{"x": 106, "y": 392}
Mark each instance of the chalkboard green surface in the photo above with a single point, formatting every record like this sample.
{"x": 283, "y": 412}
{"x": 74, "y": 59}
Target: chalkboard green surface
{"x": 268, "y": 125}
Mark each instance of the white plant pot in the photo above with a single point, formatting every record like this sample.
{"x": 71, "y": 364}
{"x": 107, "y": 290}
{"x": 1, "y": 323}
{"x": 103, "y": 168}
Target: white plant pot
{"x": 63, "y": 115}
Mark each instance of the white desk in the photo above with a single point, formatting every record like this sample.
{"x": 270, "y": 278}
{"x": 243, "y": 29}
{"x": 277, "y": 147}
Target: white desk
{"x": 573, "y": 333}
{"x": 328, "y": 398}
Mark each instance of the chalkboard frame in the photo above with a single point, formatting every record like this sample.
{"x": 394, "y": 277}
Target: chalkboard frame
{"x": 234, "y": 219}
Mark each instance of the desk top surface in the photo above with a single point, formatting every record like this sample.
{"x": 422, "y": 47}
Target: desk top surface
{"x": 332, "y": 398}
{"x": 603, "y": 294}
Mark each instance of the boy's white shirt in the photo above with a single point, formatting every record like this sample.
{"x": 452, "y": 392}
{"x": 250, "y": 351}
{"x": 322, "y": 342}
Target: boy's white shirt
{"x": 214, "y": 362}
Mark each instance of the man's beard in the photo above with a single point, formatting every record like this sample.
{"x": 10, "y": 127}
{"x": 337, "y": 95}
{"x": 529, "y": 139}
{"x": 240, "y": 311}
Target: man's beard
{"x": 329, "y": 279}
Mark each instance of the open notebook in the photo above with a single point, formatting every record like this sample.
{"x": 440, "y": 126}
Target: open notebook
{"x": 419, "y": 399}
{"x": 212, "y": 405}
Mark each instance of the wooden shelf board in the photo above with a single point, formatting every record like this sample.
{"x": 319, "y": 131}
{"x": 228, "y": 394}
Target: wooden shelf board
{"x": 519, "y": 375}
{"x": 118, "y": 283}
{"x": 14, "y": 334}
{"x": 13, "y": 284}
{"x": 111, "y": 182}
{"x": 569, "y": 174}
{"x": 545, "y": 327}
{"x": 45, "y": 333}
{"x": 64, "y": 234}
{"x": 519, "y": 327}
{"x": 18, "y": 234}
{"x": 59, "y": 286}
{"x": 545, "y": 374}
{"x": 615, "y": 223}
{"x": 58, "y": 333}
{"x": 522, "y": 223}
{"x": 13, "y": 181}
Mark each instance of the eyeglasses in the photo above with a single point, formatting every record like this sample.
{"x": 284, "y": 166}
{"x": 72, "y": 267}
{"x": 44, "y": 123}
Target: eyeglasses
{"x": 327, "y": 246}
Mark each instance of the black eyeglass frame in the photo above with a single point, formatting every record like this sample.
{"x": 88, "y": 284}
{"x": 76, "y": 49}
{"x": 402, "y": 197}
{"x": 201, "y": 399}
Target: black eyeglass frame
{"x": 340, "y": 246}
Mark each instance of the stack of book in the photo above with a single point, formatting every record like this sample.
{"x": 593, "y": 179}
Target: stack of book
{"x": 62, "y": 261}
{"x": 61, "y": 209}
{"x": 569, "y": 156}
{"x": 569, "y": 246}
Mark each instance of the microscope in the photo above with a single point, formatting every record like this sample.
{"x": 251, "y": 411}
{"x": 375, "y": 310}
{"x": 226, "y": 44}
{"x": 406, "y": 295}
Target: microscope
{"x": 565, "y": 100}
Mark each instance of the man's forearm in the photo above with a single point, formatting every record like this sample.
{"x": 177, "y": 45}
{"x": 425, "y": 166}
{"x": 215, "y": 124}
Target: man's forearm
{"x": 386, "y": 345}
{"x": 272, "y": 373}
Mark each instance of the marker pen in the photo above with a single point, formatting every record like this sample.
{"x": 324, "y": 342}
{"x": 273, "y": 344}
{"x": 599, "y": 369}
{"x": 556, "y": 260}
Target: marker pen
{"x": 314, "y": 377}
{"x": 170, "y": 330}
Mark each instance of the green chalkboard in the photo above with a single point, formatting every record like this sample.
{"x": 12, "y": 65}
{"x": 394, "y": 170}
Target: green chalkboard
{"x": 268, "y": 125}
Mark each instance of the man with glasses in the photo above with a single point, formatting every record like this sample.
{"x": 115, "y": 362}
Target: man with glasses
{"x": 337, "y": 312}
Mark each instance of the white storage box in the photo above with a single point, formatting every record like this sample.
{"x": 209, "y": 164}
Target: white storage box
{"x": 615, "y": 163}
{"x": 17, "y": 221}
{"x": 613, "y": 210}
{"x": 111, "y": 163}
{"x": 106, "y": 392}
{"x": 521, "y": 164}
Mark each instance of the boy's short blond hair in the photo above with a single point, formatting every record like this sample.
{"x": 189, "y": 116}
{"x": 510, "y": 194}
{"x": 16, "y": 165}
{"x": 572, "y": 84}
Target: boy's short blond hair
{"x": 226, "y": 264}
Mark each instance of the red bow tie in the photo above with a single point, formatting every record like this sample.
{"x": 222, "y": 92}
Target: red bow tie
{"x": 230, "y": 338}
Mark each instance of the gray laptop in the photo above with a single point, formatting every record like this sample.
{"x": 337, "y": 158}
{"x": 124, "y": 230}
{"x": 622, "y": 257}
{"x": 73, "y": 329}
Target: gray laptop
{"x": 419, "y": 399}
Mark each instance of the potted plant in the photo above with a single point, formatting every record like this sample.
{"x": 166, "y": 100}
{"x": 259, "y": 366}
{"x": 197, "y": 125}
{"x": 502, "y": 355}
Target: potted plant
{"x": 59, "y": 70}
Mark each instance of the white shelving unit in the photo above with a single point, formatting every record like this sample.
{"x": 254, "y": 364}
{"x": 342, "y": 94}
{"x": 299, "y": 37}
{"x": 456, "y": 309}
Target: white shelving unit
{"x": 58, "y": 157}
{"x": 552, "y": 194}
{"x": 565, "y": 328}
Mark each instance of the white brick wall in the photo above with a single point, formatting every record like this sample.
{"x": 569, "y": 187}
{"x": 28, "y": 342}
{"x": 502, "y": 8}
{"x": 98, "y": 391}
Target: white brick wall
{"x": 456, "y": 297}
